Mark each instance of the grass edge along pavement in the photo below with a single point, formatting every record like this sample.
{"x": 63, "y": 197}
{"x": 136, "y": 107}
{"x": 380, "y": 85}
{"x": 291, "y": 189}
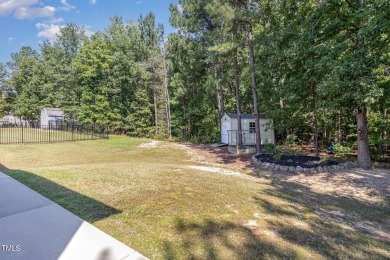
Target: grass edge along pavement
{"x": 163, "y": 208}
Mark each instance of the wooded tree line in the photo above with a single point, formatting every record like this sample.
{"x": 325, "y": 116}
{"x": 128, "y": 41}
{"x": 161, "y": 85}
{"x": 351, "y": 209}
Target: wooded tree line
{"x": 319, "y": 68}
{"x": 117, "y": 77}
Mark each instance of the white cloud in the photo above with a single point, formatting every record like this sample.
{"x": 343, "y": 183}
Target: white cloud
{"x": 32, "y": 12}
{"x": 180, "y": 8}
{"x": 93, "y": 1}
{"x": 51, "y": 31}
{"x": 11, "y": 40}
{"x": 55, "y": 20}
{"x": 66, "y": 6}
{"x": 88, "y": 33}
{"x": 48, "y": 31}
{"x": 25, "y": 9}
{"x": 139, "y": 2}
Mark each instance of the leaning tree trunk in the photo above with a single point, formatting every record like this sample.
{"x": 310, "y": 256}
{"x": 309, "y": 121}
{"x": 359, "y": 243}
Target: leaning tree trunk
{"x": 254, "y": 91}
{"x": 167, "y": 99}
{"x": 363, "y": 159}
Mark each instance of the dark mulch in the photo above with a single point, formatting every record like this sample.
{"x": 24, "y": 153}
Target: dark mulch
{"x": 295, "y": 160}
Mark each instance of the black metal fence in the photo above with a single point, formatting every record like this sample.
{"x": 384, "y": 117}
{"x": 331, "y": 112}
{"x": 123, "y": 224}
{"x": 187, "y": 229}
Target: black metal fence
{"x": 34, "y": 132}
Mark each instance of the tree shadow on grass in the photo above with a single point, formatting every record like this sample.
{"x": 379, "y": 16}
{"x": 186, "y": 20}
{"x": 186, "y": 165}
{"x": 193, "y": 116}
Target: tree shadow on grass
{"x": 81, "y": 205}
{"x": 211, "y": 239}
{"x": 333, "y": 226}
{"x": 223, "y": 155}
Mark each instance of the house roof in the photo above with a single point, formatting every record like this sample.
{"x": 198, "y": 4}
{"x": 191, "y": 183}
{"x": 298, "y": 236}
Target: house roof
{"x": 5, "y": 119}
{"x": 53, "y": 112}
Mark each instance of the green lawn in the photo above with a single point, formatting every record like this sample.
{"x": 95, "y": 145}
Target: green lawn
{"x": 155, "y": 201}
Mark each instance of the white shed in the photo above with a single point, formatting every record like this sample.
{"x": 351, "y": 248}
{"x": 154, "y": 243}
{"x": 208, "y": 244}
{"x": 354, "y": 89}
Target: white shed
{"x": 229, "y": 129}
{"x": 51, "y": 117}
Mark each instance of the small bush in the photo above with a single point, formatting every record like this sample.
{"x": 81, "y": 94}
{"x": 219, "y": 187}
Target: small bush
{"x": 291, "y": 140}
{"x": 277, "y": 156}
{"x": 340, "y": 149}
{"x": 324, "y": 160}
{"x": 268, "y": 148}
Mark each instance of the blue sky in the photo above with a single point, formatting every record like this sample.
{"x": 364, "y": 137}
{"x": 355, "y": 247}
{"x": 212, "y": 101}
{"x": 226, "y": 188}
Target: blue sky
{"x": 29, "y": 22}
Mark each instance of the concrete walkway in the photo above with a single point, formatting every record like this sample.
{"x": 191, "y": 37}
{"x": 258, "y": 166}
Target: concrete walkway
{"x": 33, "y": 227}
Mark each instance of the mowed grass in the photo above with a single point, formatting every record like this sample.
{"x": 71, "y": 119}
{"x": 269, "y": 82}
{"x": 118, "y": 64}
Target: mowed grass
{"x": 152, "y": 200}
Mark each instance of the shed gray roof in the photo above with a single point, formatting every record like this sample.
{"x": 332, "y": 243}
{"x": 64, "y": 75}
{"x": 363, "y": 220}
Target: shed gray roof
{"x": 246, "y": 116}
{"x": 54, "y": 112}
{"x": 243, "y": 116}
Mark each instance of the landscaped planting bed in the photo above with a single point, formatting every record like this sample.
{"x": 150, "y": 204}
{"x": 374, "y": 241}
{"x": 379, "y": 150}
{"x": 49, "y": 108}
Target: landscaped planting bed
{"x": 300, "y": 163}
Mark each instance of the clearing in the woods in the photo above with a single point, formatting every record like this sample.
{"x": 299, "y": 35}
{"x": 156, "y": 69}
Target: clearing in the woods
{"x": 169, "y": 200}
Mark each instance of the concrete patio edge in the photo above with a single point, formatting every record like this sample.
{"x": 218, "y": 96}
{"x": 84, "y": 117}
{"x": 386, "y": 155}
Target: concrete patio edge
{"x": 34, "y": 227}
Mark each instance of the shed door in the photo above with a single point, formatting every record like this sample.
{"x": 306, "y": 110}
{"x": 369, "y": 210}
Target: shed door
{"x": 224, "y": 131}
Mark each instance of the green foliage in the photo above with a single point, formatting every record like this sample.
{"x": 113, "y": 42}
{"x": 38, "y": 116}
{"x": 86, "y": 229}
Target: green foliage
{"x": 341, "y": 149}
{"x": 291, "y": 140}
{"x": 277, "y": 156}
{"x": 268, "y": 148}
{"x": 324, "y": 160}
{"x": 109, "y": 78}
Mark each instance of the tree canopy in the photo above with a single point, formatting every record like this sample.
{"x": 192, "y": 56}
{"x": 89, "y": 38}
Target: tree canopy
{"x": 319, "y": 69}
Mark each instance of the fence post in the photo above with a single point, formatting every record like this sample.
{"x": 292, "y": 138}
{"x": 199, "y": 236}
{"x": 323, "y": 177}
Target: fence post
{"x": 72, "y": 131}
{"x": 93, "y": 129}
{"x": 22, "y": 134}
{"x": 49, "y": 132}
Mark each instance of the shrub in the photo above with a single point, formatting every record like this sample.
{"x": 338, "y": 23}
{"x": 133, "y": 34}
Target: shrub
{"x": 340, "y": 149}
{"x": 268, "y": 148}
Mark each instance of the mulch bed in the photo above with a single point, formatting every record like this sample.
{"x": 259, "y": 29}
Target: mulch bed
{"x": 295, "y": 160}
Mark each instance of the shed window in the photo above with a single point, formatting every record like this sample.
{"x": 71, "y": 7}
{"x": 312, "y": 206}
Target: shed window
{"x": 252, "y": 127}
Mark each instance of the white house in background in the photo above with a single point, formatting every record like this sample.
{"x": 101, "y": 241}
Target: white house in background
{"x": 51, "y": 117}
{"x": 229, "y": 129}
{"x": 5, "y": 120}
{"x": 13, "y": 120}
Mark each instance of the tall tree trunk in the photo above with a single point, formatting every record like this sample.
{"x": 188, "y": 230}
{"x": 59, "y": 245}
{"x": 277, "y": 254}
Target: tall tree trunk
{"x": 313, "y": 92}
{"x": 384, "y": 134}
{"x": 339, "y": 133}
{"x": 253, "y": 81}
{"x": 167, "y": 98}
{"x": 273, "y": 132}
{"x": 238, "y": 104}
{"x": 169, "y": 114}
{"x": 220, "y": 97}
{"x": 316, "y": 132}
{"x": 363, "y": 159}
{"x": 155, "y": 108}
{"x": 237, "y": 88}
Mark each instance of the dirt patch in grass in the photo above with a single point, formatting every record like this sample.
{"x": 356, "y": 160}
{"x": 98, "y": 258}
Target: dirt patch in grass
{"x": 357, "y": 185}
{"x": 150, "y": 145}
{"x": 373, "y": 185}
{"x": 221, "y": 171}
